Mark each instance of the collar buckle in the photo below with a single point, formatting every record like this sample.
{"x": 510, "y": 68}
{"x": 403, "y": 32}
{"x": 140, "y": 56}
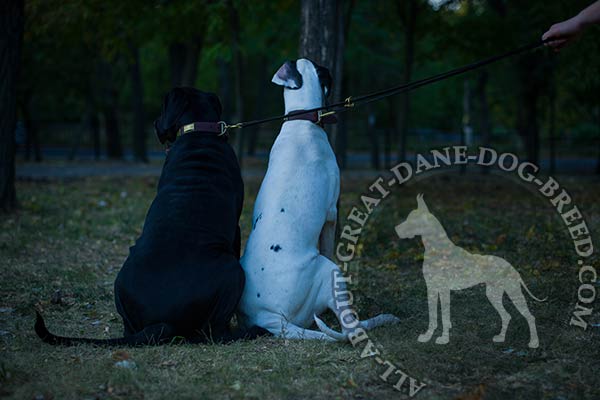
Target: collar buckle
{"x": 321, "y": 115}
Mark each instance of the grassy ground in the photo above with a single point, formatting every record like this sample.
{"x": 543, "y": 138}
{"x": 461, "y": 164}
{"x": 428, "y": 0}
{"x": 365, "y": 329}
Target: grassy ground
{"x": 62, "y": 251}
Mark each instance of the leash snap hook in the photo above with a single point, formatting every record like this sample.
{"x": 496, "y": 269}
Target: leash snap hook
{"x": 223, "y": 127}
{"x": 348, "y": 102}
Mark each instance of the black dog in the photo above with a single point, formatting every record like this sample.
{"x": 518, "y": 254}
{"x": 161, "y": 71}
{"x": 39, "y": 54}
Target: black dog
{"x": 183, "y": 278}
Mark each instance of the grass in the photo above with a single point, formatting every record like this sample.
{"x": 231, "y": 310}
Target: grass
{"x": 62, "y": 250}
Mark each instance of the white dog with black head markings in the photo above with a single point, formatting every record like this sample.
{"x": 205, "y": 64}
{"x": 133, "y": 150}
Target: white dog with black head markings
{"x": 287, "y": 261}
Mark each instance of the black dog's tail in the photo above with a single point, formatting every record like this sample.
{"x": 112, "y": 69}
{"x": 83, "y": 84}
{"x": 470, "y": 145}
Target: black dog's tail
{"x": 156, "y": 334}
{"x": 152, "y": 335}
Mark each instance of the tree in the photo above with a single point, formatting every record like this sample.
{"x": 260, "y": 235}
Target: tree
{"x": 408, "y": 10}
{"x": 318, "y": 31}
{"x": 139, "y": 117}
{"x": 236, "y": 53}
{"x": 12, "y": 21}
{"x": 323, "y": 34}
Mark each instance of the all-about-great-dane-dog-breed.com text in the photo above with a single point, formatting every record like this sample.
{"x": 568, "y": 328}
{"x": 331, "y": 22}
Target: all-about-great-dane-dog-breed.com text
{"x": 183, "y": 277}
{"x": 288, "y": 256}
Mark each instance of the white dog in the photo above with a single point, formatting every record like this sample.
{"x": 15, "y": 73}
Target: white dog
{"x": 287, "y": 261}
{"x": 447, "y": 267}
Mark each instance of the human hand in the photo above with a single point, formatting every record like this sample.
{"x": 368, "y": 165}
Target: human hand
{"x": 561, "y": 34}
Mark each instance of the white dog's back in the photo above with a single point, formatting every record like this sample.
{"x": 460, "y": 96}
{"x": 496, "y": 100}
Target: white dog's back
{"x": 299, "y": 189}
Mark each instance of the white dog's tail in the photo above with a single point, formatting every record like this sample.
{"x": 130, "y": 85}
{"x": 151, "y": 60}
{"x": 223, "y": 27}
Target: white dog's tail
{"x": 379, "y": 320}
{"x": 330, "y": 332}
{"x": 530, "y": 294}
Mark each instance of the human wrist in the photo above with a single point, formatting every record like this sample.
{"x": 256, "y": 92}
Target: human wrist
{"x": 582, "y": 20}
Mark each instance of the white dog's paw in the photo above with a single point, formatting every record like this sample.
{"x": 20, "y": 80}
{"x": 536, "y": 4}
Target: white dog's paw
{"x": 534, "y": 343}
{"x": 498, "y": 339}
{"x": 442, "y": 340}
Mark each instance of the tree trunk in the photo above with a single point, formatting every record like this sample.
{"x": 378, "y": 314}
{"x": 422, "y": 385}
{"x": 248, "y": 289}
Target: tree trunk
{"x": 318, "y": 31}
{"x": 137, "y": 95}
{"x": 94, "y": 128}
{"x": 552, "y": 127}
{"x": 467, "y": 129}
{"x": 234, "y": 24}
{"x": 527, "y": 113}
{"x": 114, "y": 149}
{"x": 389, "y": 133}
{"x": 12, "y": 20}
{"x": 177, "y": 56}
{"x": 109, "y": 106}
{"x": 598, "y": 126}
{"x": 339, "y": 132}
{"x": 75, "y": 141}
{"x": 31, "y": 138}
{"x": 225, "y": 89}
{"x": 528, "y": 126}
{"x": 183, "y": 60}
{"x": 261, "y": 89}
{"x": 373, "y": 139}
{"x": 485, "y": 126}
{"x": 408, "y": 13}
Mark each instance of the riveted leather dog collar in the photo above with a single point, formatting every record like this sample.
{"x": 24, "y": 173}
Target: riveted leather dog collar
{"x": 208, "y": 127}
{"x": 317, "y": 117}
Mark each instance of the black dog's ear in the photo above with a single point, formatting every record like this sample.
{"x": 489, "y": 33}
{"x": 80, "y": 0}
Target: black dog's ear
{"x": 173, "y": 107}
{"x": 288, "y": 76}
{"x": 216, "y": 104}
{"x": 324, "y": 78}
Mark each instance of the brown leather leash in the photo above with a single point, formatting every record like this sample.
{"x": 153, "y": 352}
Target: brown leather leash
{"x": 325, "y": 112}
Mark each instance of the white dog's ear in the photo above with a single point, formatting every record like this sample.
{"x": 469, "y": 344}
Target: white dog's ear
{"x": 421, "y": 203}
{"x": 288, "y": 76}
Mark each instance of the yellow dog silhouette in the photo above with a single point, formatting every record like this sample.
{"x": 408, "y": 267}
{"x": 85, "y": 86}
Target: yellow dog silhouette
{"x": 448, "y": 267}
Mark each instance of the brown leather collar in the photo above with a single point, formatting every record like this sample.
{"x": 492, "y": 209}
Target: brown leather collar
{"x": 208, "y": 127}
{"x": 317, "y": 117}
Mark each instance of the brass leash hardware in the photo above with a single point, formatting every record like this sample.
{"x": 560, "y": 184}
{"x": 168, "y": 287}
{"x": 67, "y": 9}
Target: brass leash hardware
{"x": 322, "y": 114}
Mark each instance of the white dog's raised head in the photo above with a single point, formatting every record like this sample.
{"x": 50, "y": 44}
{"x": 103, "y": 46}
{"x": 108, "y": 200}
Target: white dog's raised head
{"x": 417, "y": 222}
{"x": 306, "y": 84}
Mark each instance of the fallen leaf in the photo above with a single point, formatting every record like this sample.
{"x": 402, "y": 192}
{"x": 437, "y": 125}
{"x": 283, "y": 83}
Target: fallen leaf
{"x": 119, "y": 355}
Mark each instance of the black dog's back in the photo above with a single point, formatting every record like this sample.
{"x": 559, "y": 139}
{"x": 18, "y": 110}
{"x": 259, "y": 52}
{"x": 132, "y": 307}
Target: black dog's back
{"x": 183, "y": 276}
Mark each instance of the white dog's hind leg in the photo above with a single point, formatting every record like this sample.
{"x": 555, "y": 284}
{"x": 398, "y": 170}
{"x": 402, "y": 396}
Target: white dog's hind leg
{"x": 327, "y": 240}
{"x": 327, "y": 237}
{"x": 339, "y": 300}
{"x": 291, "y": 331}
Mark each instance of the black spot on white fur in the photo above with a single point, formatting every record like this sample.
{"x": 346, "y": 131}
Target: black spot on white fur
{"x": 282, "y": 210}
{"x": 275, "y": 247}
{"x": 256, "y": 221}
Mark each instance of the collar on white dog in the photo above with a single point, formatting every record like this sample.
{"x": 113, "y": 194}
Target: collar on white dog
{"x": 317, "y": 117}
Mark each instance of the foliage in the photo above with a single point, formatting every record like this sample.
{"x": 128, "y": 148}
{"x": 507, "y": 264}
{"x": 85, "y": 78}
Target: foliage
{"x": 65, "y": 42}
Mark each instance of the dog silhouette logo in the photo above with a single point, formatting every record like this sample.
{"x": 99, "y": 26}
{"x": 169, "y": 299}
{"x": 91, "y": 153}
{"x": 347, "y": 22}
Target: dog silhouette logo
{"x": 447, "y": 267}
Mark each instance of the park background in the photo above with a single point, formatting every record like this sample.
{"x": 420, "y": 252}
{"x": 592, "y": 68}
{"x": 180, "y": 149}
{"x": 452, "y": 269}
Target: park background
{"x": 94, "y": 73}
{"x": 90, "y": 79}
